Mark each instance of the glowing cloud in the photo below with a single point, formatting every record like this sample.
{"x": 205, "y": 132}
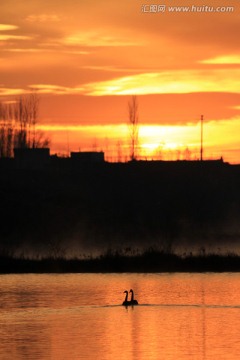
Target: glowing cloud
{"x": 54, "y": 89}
{"x": 9, "y": 91}
{"x": 96, "y": 39}
{"x": 43, "y": 18}
{"x": 227, "y": 59}
{"x": 6, "y": 27}
{"x": 174, "y": 82}
{"x": 13, "y": 37}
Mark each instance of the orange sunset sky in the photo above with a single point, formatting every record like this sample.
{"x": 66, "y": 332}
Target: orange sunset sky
{"x": 86, "y": 58}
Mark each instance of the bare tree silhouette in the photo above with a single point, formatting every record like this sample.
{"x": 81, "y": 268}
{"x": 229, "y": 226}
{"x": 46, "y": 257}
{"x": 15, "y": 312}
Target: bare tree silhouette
{"x": 133, "y": 126}
{"x": 25, "y": 114}
{"x": 119, "y": 151}
{"x": 18, "y": 121}
{"x": 6, "y": 130}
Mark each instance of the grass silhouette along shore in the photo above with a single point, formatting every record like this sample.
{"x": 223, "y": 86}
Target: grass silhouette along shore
{"x": 114, "y": 262}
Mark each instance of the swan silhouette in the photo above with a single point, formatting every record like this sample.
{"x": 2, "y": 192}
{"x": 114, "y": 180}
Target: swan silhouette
{"x": 126, "y": 302}
{"x": 133, "y": 301}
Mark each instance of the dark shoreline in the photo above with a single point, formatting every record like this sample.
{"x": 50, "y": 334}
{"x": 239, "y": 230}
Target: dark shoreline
{"x": 116, "y": 263}
{"x": 72, "y": 208}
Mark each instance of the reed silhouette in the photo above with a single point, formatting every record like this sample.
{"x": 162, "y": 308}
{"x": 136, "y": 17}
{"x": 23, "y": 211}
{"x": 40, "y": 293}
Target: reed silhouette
{"x": 149, "y": 261}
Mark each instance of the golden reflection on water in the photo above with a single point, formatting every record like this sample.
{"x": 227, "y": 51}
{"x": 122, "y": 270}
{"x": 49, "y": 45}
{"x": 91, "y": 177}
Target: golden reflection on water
{"x": 180, "y": 316}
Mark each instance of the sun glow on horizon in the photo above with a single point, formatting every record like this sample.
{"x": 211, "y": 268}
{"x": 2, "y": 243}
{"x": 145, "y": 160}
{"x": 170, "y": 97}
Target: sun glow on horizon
{"x": 154, "y": 141}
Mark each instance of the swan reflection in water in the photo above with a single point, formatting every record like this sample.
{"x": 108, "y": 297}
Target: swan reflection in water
{"x": 127, "y": 302}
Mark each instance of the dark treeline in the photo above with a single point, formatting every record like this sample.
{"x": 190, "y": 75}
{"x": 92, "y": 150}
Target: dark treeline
{"x": 67, "y": 211}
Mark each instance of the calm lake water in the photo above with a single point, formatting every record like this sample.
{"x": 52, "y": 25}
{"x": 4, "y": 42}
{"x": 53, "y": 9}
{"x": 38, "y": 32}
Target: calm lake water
{"x": 180, "y": 316}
